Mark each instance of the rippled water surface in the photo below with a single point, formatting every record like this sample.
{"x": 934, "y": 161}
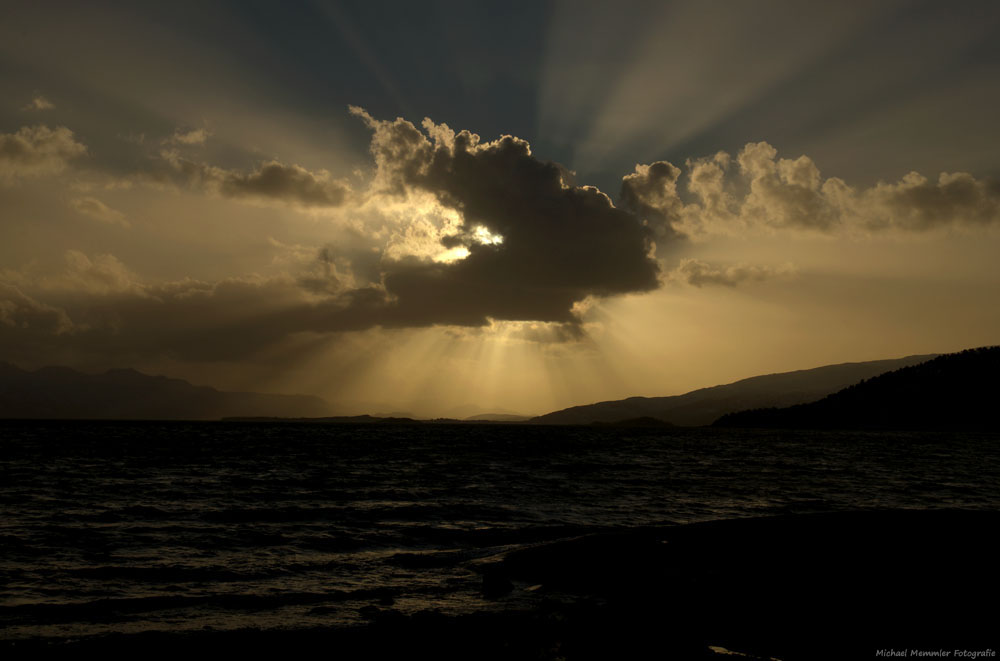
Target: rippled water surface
{"x": 179, "y": 526}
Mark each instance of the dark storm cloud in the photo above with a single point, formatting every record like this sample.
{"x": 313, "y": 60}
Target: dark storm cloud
{"x": 558, "y": 243}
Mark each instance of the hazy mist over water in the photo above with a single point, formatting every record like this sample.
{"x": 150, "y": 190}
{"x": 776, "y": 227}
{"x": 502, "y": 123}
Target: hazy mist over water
{"x": 179, "y": 526}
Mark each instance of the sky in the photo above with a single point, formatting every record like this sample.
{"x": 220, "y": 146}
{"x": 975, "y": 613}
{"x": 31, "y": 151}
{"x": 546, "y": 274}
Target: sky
{"x": 449, "y": 208}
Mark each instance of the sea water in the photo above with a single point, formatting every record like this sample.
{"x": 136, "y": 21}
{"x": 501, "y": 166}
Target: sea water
{"x": 132, "y": 527}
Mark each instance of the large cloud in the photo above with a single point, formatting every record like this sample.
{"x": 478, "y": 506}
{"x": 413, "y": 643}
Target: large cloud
{"x": 37, "y": 150}
{"x": 532, "y": 244}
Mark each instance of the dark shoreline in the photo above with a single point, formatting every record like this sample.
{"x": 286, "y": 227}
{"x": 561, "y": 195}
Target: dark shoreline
{"x": 837, "y": 585}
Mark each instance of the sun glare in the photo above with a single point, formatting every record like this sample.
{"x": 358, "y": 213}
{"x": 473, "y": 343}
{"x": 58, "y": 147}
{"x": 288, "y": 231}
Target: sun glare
{"x": 485, "y": 237}
{"x": 480, "y": 235}
{"x": 452, "y": 255}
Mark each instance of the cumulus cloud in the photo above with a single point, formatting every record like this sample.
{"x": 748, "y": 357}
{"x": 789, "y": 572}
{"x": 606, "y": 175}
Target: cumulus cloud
{"x": 700, "y": 274}
{"x": 918, "y": 203}
{"x": 37, "y": 150}
{"x": 270, "y": 182}
{"x": 785, "y": 192}
{"x": 39, "y": 102}
{"x": 97, "y": 210}
{"x": 765, "y": 191}
{"x": 651, "y": 194}
{"x": 527, "y": 244}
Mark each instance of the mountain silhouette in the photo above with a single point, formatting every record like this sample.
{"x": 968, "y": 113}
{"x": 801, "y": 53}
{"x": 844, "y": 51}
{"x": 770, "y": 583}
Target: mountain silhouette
{"x": 703, "y": 406}
{"x": 61, "y": 392}
{"x": 956, "y": 391}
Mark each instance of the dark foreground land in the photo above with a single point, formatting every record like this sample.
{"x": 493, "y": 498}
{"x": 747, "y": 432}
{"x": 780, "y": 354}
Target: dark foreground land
{"x": 821, "y": 586}
{"x": 957, "y": 391}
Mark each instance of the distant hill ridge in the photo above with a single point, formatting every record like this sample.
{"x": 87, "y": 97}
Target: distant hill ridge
{"x": 958, "y": 391}
{"x": 61, "y": 392}
{"x": 704, "y": 406}
{"x": 497, "y": 417}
